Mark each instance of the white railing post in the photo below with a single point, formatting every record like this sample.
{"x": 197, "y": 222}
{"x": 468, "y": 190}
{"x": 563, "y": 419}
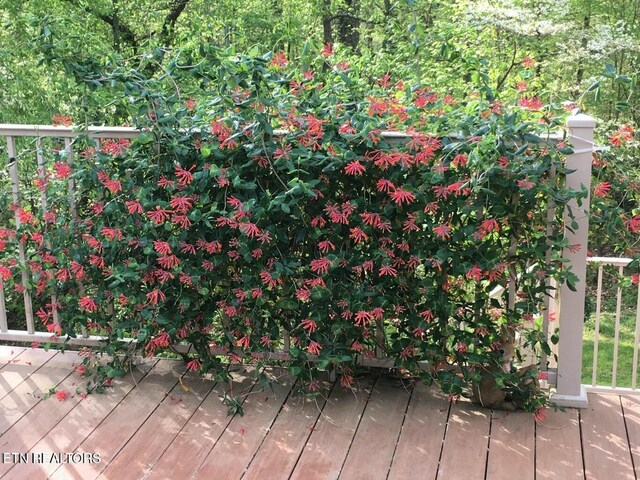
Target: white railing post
{"x": 570, "y": 392}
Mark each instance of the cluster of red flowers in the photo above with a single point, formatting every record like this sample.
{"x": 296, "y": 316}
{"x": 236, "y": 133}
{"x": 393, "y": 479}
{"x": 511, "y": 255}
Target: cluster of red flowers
{"x": 623, "y": 135}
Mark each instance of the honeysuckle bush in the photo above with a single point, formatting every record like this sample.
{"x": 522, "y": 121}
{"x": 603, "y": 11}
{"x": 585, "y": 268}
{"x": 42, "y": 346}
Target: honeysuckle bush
{"x": 276, "y": 203}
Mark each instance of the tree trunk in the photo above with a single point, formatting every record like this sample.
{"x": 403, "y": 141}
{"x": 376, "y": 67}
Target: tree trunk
{"x": 388, "y": 25}
{"x": 349, "y": 24}
{"x": 583, "y": 42}
{"x": 115, "y": 26}
{"x": 327, "y": 31}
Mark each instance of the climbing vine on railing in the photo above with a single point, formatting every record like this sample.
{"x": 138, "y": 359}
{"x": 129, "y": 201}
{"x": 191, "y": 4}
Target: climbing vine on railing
{"x": 274, "y": 203}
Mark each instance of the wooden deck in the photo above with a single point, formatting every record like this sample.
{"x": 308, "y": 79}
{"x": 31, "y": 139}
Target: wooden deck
{"x": 148, "y": 426}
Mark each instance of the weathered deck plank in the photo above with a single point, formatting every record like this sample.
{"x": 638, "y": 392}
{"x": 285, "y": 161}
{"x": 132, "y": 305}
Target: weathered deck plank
{"x": 468, "y": 432}
{"x": 327, "y": 447}
{"x": 30, "y": 391}
{"x": 7, "y": 353}
{"x": 604, "y": 439}
{"x": 512, "y": 446}
{"x": 235, "y": 449}
{"x": 420, "y": 441}
{"x": 143, "y": 429}
{"x": 382, "y": 421}
{"x": 281, "y": 449}
{"x": 83, "y": 419}
{"x": 42, "y": 418}
{"x": 122, "y": 423}
{"x": 196, "y": 439}
{"x": 19, "y": 365}
{"x": 160, "y": 429}
{"x": 558, "y": 447}
{"x": 631, "y": 407}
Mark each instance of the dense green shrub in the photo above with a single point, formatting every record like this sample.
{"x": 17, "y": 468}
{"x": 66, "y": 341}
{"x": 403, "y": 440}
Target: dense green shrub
{"x": 275, "y": 203}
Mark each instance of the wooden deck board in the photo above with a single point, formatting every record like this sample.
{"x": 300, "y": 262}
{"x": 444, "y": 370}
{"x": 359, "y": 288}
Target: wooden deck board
{"x": 631, "y": 407}
{"x": 235, "y": 449}
{"x": 122, "y": 423}
{"x": 558, "y": 447}
{"x": 38, "y": 421}
{"x": 327, "y": 447}
{"x": 8, "y": 352}
{"x": 159, "y": 430}
{"x": 468, "y": 432}
{"x": 20, "y": 365}
{"x": 512, "y": 446}
{"x": 148, "y": 427}
{"x": 281, "y": 448}
{"x": 195, "y": 440}
{"x": 381, "y": 423}
{"x": 420, "y": 441}
{"x": 83, "y": 419}
{"x": 604, "y": 439}
{"x": 30, "y": 391}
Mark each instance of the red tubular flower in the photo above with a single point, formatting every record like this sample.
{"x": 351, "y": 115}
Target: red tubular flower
{"x": 5, "y": 273}
{"x": 427, "y": 315}
{"x": 249, "y": 229}
{"x": 378, "y": 106}
{"x": 314, "y": 348}
{"x": 168, "y": 261}
{"x": 283, "y": 152}
{"x": 279, "y": 60}
{"x": 358, "y": 235}
{"x": 401, "y": 196}
{"x": 194, "y": 365}
{"x": 531, "y": 103}
{"x": 442, "y": 231}
{"x": 602, "y": 189}
{"x": 474, "y": 273}
{"x": 163, "y": 248}
{"x": 309, "y": 325}
{"x": 355, "y": 168}
{"x": 159, "y": 215}
{"x": 181, "y": 203}
{"x": 362, "y": 318}
{"x": 372, "y": 219}
{"x": 62, "y": 395}
{"x": 526, "y": 184}
{"x": 62, "y": 169}
{"x": 325, "y": 246}
{"x": 528, "y": 62}
{"x": 88, "y": 304}
{"x": 134, "y": 206}
{"x": 185, "y": 177}
{"x": 59, "y": 119}
{"x": 388, "y": 270}
{"x": 155, "y": 296}
{"x": 321, "y": 265}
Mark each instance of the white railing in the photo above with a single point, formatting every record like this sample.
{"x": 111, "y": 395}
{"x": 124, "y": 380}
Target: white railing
{"x": 569, "y": 392}
{"x": 614, "y": 268}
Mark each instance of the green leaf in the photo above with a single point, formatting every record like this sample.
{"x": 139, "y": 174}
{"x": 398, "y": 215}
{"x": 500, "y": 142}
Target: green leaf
{"x": 288, "y": 304}
{"x": 609, "y": 70}
{"x": 593, "y": 86}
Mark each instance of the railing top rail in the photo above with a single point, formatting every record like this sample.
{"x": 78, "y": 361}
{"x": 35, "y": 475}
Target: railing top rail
{"x": 18, "y": 130}
{"x": 618, "y": 262}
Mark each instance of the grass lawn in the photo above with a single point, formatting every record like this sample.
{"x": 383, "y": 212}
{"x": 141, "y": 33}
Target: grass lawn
{"x": 605, "y": 349}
